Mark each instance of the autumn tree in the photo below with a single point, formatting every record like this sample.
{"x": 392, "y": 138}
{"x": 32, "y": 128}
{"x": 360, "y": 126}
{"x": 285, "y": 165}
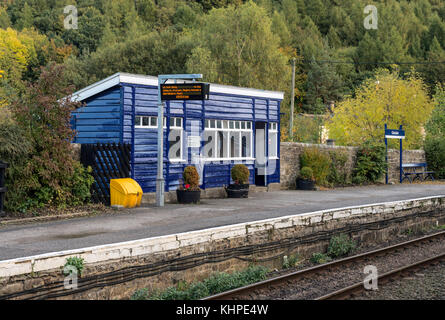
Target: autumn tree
{"x": 236, "y": 46}
{"x": 386, "y": 98}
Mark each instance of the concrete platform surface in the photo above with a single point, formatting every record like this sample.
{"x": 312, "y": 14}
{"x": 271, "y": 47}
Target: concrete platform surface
{"x": 146, "y": 222}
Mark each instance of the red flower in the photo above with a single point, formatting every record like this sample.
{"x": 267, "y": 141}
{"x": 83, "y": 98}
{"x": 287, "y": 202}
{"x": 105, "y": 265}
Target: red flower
{"x": 187, "y": 186}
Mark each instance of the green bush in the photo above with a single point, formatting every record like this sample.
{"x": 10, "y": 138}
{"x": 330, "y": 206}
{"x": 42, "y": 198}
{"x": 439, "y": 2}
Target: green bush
{"x": 340, "y": 245}
{"x": 191, "y": 177}
{"x": 370, "y": 164}
{"x": 435, "y": 135}
{"x": 319, "y": 162}
{"x": 306, "y": 173}
{"x": 240, "y": 174}
{"x": 435, "y": 155}
{"x": 76, "y": 262}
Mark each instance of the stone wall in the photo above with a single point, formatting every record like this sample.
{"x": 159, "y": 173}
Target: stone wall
{"x": 290, "y": 160}
{"x": 115, "y": 271}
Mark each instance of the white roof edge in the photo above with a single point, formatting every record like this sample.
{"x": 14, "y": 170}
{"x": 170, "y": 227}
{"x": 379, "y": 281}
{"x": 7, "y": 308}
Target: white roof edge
{"x": 122, "y": 77}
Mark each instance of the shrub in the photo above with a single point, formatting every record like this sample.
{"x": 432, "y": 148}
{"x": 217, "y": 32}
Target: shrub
{"x": 370, "y": 164}
{"x": 340, "y": 245}
{"x": 435, "y": 155}
{"x": 191, "y": 177}
{"x": 319, "y": 162}
{"x": 240, "y": 174}
{"x": 76, "y": 262}
{"x": 306, "y": 173}
{"x": 42, "y": 170}
{"x": 435, "y": 135}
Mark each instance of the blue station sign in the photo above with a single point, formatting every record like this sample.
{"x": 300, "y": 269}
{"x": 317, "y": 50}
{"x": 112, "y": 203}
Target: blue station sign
{"x": 394, "y": 134}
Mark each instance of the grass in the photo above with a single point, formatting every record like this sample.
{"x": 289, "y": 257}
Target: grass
{"x": 216, "y": 283}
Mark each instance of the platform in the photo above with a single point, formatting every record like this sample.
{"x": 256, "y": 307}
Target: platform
{"x": 146, "y": 222}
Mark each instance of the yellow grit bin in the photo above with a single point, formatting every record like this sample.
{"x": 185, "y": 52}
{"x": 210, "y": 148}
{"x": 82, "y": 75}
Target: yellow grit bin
{"x": 125, "y": 192}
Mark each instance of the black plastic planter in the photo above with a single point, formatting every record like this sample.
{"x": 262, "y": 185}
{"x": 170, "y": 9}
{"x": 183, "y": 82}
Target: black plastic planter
{"x": 237, "y": 191}
{"x": 303, "y": 184}
{"x": 187, "y": 196}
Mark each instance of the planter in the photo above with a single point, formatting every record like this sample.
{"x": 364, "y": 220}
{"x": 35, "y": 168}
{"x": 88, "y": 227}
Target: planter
{"x": 303, "y": 184}
{"x": 237, "y": 191}
{"x": 187, "y": 196}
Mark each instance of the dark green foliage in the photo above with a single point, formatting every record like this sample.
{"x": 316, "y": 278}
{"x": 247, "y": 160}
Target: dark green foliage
{"x": 76, "y": 262}
{"x": 240, "y": 174}
{"x": 435, "y": 136}
{"x": 216, "y": 283}
{"x": 319, "y": 162}
{"x": 340, "y": 245}
{"x": 191, "y": 177}
{"x": 306, "y": 173}
{"x": 370, "y": 164}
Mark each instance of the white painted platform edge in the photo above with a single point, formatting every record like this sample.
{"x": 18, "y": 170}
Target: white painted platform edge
{"x": 102, "y": 253}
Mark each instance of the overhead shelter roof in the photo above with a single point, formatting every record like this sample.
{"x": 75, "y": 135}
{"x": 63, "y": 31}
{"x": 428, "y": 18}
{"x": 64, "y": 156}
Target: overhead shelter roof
{"x": 139, "y": 79}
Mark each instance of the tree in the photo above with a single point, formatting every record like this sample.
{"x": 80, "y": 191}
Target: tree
{"x": 239, "y": 41}
{"x": 384, "y": 99}
{"x": 323, "y": 85}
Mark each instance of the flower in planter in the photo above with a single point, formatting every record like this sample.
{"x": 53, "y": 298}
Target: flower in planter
{"x": 191, "y": 178}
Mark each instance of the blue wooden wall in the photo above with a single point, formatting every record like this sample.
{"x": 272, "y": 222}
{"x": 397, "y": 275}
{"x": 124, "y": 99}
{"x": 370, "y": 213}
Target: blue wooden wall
{"x": 100, "y": 120}
{"x": 109, "y": 117}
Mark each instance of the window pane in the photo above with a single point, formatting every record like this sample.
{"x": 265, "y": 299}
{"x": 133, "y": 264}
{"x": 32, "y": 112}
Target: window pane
{"x": 153, "y": 121}
{"x": 179, "y": 122}
{"x": 209, "y": 144}
{"x": 222, "y": 150}
{"x": 231, "y": 125}
{"x": 225, "y": 124}
{"x": 246, "y": 144}
{"x": 207, "y": 123}
{"x": 145, "y": 121}
{"x": 175, "y": 144}
{"x": 237, "y": 125}
{"x": 249, "y": 125}
{"x": 243, "y": 125}
{"x": 137, "y": 121}
{"x": 212, "y": 123}
{"x": 219, "y": 124}
{"x": 273, "y": 144}
{"x": 235, "y": 145}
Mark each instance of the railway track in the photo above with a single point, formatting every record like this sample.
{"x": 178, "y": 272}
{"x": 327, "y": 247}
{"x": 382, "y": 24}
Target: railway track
{"x": 344, "y": 277}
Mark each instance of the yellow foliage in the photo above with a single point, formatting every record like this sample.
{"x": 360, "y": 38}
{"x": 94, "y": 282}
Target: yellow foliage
{"x": 384, "y": 99}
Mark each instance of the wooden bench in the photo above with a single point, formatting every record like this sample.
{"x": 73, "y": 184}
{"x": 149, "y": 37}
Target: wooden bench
{"x": 419, "y": 171}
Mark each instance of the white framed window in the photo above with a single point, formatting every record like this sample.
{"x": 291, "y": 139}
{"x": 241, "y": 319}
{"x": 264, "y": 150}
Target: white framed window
{"x": 273, "y": 140}
{"x": 228, "y": 140}
{"x": 147, "y": 122}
